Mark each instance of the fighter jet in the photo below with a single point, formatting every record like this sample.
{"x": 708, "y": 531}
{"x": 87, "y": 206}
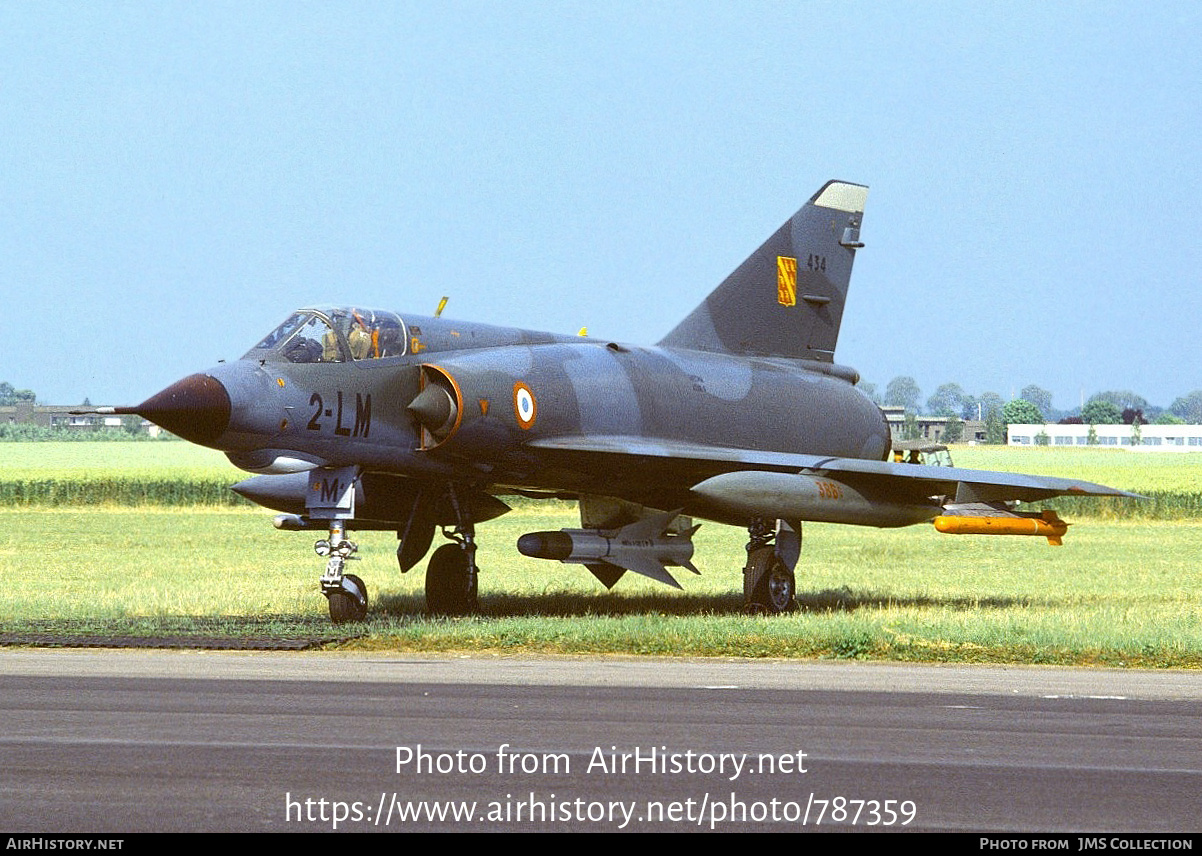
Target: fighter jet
{"x": 358, "y": 418}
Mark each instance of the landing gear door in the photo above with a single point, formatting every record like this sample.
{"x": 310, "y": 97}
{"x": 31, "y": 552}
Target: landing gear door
{"x": 331, "y": 493}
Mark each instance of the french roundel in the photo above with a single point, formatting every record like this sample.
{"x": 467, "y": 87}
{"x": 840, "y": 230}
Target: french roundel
{"x": 524, "y": 406}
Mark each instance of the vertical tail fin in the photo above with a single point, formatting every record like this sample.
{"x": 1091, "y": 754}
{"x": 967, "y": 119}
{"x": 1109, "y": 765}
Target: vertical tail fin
{"x": 786, "y": 299}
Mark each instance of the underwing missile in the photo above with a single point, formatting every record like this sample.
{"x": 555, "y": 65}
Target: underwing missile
{"x": 644, "y": 547}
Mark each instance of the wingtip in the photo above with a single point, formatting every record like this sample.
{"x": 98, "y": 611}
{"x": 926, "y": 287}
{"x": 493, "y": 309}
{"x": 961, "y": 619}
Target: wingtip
{"x": 1091, "y": 489}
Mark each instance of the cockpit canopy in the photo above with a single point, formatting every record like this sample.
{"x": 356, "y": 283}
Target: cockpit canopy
{"x": 336, "y": 335}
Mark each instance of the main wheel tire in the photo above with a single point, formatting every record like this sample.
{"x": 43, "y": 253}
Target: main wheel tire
{"x": 345, "y": 606}
{"x": 450, "y": 583}
{"x": 776, "y": 588}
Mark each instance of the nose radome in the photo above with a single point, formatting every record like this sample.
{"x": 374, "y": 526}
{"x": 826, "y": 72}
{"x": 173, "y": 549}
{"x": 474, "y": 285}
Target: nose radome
{"x": 196, "y": 408}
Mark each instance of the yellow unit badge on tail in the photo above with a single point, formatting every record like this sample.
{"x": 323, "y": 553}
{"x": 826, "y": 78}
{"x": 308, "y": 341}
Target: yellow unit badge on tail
{"x": 786, "y": 280}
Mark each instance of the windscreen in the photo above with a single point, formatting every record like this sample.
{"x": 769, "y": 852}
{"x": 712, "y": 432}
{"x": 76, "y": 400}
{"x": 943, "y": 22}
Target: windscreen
{"x": 337, "y": 335}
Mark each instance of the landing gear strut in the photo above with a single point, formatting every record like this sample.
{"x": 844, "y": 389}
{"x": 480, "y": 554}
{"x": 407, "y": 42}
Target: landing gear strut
{"x": 452, "y": 578}
{"x": 346, "y": 593}
{"x": 330, "y": 496}
{"x": 769, "y": 585}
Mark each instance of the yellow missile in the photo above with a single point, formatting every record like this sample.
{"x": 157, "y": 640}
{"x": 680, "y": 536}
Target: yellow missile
{"x": 1048, "y": 524}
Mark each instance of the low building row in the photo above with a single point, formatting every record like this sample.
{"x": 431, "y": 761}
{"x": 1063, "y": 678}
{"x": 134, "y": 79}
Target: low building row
{"x": 60, "y": 417}
{"x": 1163, "y": 438}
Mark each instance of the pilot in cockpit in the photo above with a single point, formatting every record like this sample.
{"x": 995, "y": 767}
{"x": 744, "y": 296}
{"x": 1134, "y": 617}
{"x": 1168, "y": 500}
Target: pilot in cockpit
{"x": 330, "y": 352}
{"x": 361, "y": 339}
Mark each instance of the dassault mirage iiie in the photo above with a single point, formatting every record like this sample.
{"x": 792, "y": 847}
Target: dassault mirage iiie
{"x": 368, "y": 419}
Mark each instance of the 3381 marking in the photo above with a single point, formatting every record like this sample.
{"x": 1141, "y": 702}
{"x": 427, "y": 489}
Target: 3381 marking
{"x": 828, "y": 490}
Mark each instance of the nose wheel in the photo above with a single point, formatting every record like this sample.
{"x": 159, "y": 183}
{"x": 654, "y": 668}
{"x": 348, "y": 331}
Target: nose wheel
{"x": 345, "y": 593}
{"x": 350, "y": 602}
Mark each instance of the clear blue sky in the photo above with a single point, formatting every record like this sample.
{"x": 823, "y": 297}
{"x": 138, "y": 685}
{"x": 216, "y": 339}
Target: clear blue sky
{"x": 177, "y": 177}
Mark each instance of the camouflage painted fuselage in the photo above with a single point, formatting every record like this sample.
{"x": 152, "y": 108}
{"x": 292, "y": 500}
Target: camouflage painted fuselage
{"x": 356, "y": 413}
{"x": 360, "y": 418}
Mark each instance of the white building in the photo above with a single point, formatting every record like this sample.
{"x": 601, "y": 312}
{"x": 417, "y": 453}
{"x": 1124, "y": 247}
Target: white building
{"x": 1148, "y": 438}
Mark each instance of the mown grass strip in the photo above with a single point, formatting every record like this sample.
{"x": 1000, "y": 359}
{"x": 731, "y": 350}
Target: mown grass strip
{"x": 127, "y": 491}
{"x": 108, "y": 459}
{"x": 174, "y": 474}
{"x": 821, "y": 636}
{"x": 1117, "y": 593}
{"x": 183, "y": 491}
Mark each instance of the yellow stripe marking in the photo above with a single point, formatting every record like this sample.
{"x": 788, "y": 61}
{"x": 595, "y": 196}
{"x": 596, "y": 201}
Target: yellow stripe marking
{"x": 786, "y": 280}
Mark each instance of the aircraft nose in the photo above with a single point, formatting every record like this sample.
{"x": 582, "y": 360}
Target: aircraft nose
{"x": 196, "y": 408}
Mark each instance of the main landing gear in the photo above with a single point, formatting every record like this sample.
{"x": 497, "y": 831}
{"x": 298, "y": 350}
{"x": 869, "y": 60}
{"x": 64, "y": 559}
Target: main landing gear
{"x": 452, "y": 577}
{"x": 769, "y": 585}
{"x": 346, "y": 593}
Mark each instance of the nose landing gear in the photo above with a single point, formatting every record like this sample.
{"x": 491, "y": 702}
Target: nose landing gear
{"x": 346, "y": 593}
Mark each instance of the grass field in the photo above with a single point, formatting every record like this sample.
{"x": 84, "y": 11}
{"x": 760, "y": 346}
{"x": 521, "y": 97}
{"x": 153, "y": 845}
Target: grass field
{"x": 122, "y": 473}
{"x": 102, "y": 460}
{"x": 1117, "y": 593}
{"x": 183, "y": 475}
{"x": 1141, "y": 472}
{"x": 1137, "y": 471}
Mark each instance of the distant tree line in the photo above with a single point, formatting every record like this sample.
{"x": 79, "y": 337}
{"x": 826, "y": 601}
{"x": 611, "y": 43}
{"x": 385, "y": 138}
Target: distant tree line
{"x": 10, "y": 396}
{"x": 1032, "y": 406}
{"x": 1105, "y": 407}
{"x": 130, "y": 428}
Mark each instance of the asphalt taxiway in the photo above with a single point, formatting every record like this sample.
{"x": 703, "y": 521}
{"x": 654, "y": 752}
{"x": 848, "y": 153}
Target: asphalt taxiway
{"x": 126, "y": 741}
